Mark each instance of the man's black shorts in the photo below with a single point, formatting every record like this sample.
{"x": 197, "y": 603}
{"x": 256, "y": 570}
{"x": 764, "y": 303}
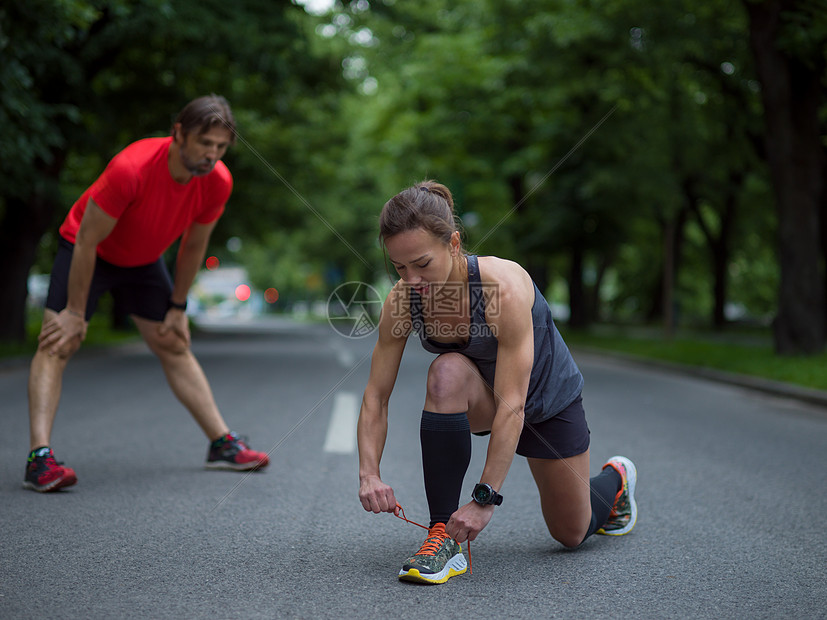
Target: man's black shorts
{"x": 560, "y": 437}
{"x": 143, "y": 291}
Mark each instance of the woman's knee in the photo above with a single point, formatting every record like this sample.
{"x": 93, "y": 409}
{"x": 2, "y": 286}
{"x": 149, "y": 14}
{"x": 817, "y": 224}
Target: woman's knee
{"x": 564, "y": 496}
{"x": 569, "y": 536}
{"x": 447, "y": 378}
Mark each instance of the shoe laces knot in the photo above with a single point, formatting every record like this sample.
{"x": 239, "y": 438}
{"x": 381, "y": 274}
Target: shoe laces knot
{"x": 436, "y": 537}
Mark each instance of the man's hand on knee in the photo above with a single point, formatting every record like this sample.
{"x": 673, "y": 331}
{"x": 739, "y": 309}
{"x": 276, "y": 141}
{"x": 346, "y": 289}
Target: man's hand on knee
{"x": 176, "y": 321}
{"x": 62, "y": 333}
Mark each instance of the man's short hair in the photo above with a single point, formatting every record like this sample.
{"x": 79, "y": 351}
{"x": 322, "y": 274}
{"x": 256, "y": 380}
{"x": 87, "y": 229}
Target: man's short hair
{"x": 205, "y": 113}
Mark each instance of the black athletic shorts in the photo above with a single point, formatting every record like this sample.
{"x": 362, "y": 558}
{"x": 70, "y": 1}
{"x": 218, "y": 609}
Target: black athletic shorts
{"x": 143, "y": 291}
{"x": 560, "y": 437}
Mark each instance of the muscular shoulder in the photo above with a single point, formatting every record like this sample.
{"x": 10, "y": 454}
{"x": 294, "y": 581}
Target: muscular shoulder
{"x": 506, "y": 283}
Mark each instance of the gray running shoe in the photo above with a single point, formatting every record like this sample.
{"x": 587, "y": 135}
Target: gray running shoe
{"x": 624, "y": 512}
{"x": 439, "y": 559}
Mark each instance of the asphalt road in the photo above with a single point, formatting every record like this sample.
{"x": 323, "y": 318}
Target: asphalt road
{"x": 732, "y": 498}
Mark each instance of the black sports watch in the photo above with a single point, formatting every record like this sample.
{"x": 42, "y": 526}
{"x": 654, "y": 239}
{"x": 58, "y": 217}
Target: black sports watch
{"x": 177, "y": 306}
{"x": 484, "y": 495}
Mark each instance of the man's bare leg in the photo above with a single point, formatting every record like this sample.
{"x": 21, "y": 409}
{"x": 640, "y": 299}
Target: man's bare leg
{"x": 185, "y": 377}
{"x": 45, "y": 386}
{"x": 43, "y": 472}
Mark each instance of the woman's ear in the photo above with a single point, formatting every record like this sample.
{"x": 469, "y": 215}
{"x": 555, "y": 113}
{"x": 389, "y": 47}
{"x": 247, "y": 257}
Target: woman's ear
{"x": 456, "y": 243}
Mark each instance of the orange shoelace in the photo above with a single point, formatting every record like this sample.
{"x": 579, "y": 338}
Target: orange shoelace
{"x": 432, "y": 542}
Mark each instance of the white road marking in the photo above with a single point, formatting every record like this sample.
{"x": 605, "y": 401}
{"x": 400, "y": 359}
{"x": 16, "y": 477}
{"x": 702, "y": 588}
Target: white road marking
{"x": 341, "y": 432}
{"x": 343, "y": 355}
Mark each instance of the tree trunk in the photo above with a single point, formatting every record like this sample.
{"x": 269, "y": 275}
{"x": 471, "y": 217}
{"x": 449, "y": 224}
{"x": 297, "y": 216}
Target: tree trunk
{"x": 668, "y": 287}
{"x": 791, "y": 92}
{"x": 824, "y": 220}
{"x": 720, "y": 255}
{"x": 718, "y": 244}
{"x": 594, "y": 298}
{"x": 663, "y": 292}
{"x": 18, "y": 243}
{"x": 23, "y": 224}
{"x": 578, "y": 317}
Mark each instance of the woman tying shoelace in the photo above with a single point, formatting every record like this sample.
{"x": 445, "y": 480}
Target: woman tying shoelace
{"x": 502, "y": 369}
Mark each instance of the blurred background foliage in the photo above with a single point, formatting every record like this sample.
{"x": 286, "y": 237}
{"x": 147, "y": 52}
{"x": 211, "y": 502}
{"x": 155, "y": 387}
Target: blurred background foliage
{"x": 617, "y": 149}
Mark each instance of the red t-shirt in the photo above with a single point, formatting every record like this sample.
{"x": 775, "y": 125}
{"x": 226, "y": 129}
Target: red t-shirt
{"x": 152, "y": 209}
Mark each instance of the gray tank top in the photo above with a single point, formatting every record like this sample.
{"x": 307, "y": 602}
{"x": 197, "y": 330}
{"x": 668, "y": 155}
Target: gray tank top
{"x": 555, "y": 379}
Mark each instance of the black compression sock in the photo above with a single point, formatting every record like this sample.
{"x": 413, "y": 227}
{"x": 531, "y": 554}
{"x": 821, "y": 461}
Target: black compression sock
{"x": 604, "y": 488}
{"x": 446, "y": 453}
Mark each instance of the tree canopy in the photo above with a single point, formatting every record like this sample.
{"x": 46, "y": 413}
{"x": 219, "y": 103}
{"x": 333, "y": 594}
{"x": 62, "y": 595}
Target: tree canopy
{"x": 634, "y": 157}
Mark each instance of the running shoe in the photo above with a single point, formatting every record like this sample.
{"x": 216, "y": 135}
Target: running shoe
{"x": 624, "y": 511}
{"x": 439, "y": 559}
{"x": 232, "y": 452}
{"x": 44, "y": 473}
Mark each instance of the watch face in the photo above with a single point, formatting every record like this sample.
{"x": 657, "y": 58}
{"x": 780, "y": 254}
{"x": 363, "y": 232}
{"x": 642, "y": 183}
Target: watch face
{"x": 482, "y": 494}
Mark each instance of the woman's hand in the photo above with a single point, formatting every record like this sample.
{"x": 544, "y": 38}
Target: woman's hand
{"x": 376, "y": 496}
{"x": 467, "y": 522}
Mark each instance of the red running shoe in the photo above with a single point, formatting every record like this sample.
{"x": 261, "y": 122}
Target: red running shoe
{"x": 231, "y": 452}
{"x": 44, "y": 473}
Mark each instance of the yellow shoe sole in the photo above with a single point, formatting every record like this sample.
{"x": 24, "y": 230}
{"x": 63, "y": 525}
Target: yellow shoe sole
{"x": 455, "y": 566}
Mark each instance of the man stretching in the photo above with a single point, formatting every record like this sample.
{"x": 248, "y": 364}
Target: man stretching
{"x": 151, "y": 193}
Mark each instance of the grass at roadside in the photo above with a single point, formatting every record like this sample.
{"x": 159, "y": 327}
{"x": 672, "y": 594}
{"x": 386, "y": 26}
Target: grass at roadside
{"x": 742, "y": 352}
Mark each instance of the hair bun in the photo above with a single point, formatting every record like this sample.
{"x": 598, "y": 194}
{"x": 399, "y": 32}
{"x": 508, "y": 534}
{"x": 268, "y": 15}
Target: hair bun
{"x": 437, "y": 189}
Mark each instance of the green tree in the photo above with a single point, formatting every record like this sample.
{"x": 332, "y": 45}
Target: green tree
{"x": 789, "y": 41}
{"x": 700, "y": 59}
{"x": 568, "y": 129}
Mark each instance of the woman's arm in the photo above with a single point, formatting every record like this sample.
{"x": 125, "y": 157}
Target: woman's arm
{"x": 372, "y": 427}
{"x": 509, "y": 317}
{"x": 512, "y": 324}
